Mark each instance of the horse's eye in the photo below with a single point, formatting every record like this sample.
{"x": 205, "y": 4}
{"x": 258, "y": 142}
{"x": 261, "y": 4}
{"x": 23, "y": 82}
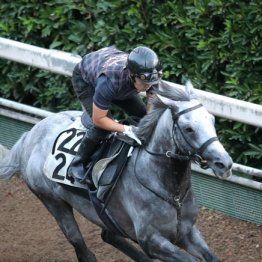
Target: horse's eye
{"x": 189, "y": 129}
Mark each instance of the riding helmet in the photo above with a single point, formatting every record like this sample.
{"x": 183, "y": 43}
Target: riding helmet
{"x": 143, "y": 63}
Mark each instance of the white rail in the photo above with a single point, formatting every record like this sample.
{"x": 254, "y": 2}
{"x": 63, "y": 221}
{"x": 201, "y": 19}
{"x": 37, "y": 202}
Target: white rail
{"x": 22, "y": 112}
{"x": 52, "y": 60}
{"x": 233, "y": 178}
{"x": 63, "y": 63}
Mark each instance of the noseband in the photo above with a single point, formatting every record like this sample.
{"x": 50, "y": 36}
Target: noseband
{"x": 196, "y": 156}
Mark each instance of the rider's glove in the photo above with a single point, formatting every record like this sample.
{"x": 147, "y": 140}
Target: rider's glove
{"x": 129, "y": 131}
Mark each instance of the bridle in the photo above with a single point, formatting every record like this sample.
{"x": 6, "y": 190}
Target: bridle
{"x": 196, "y": 155}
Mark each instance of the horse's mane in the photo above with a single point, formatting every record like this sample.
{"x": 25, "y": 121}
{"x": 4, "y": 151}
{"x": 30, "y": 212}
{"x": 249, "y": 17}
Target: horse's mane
{"x": 148, "y": 123}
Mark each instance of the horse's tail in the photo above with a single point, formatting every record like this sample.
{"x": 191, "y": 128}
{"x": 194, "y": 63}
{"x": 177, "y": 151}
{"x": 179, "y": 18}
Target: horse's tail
{"x": 10, "y": 159}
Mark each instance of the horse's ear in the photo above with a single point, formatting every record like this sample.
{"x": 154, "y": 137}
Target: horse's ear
{"x": 164, "y": 86}
{"x": 168, "y": 102}
{"x": 190, "y": 89}
{"x": 164, "y": 100}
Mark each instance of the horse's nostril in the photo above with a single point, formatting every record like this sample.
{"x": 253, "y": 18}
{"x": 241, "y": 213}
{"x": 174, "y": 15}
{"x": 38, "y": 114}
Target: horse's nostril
{"x": 220, "y": 165}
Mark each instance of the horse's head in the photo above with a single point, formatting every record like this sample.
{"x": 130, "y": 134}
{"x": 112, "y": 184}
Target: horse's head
{"x": 193, "y": 132}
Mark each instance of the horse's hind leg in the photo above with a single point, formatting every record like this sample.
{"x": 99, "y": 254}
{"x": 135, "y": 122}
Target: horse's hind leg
{"x": 195, "y": 244}
{"x": 64, "y": 216}
{"x": 123, "y": 245}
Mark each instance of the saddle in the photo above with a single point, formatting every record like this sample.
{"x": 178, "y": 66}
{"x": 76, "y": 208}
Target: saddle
{"x": 106, "y": 165}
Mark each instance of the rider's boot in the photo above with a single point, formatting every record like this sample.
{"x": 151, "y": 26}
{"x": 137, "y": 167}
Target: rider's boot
{"x": 77, "y": 169}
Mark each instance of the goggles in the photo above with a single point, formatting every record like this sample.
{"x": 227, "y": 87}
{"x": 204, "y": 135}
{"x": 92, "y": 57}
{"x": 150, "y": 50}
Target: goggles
{"x": 150, "y": 78}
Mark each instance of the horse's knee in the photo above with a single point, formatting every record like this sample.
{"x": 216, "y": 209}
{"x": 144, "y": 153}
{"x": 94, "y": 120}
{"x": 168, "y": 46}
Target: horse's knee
{"x": 105, "y": 235}
{"x": 109, "y": 237}
{"x": 75, "y": 238}
{"x": 145, "y": 242}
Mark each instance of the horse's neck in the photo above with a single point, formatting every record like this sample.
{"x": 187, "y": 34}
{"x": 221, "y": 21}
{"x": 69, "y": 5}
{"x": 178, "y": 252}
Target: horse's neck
{"x": 171, "y": 173}
{"x": 166, "y": 177}
{"x": 161, "y": 139}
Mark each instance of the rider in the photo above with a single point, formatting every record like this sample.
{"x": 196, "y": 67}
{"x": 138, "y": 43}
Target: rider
{"x": 110, "y": 76}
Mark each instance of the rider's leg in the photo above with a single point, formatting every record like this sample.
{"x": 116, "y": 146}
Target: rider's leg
{"x": 83, "y": 90}
{"x": 86, "y": 149}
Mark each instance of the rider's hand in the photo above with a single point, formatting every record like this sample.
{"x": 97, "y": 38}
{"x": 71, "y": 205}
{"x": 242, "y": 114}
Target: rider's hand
{"x": 129, "y": 131}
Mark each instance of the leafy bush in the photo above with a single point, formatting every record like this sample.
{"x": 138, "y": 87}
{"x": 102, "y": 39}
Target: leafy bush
{"x": 215, "y": 43}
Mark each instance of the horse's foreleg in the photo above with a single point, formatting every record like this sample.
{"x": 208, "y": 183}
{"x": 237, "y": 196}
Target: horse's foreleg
{"x": 123, "y": 245}
{"x": 195, "y": 244}
{"x": 158, "y": 247}
{"x": 64, "y": 216}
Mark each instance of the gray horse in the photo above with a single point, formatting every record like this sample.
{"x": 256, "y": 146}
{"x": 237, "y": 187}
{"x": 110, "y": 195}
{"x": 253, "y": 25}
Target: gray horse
{"x": 153, "y": 202}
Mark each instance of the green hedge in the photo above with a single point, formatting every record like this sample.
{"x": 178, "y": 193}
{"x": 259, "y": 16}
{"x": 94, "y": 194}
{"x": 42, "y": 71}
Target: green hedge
{"x": 215, "y": 43}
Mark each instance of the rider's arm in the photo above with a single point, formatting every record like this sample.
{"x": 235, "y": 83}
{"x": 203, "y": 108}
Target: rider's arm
{"x": 103, "y": 97}
{"x": 101, "y": 120}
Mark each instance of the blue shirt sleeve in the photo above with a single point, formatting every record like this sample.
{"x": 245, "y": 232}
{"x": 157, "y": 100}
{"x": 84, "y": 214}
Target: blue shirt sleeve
{"x": 104, "y": 93}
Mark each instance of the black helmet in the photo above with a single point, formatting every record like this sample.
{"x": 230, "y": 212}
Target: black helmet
{"x": 143, "y": 63}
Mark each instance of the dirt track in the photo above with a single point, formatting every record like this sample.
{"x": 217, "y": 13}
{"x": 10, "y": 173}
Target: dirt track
{"x": 29, "y": 233}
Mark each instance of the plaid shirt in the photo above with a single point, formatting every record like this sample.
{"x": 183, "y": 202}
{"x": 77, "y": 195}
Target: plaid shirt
{"x": 110, "y": 62}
